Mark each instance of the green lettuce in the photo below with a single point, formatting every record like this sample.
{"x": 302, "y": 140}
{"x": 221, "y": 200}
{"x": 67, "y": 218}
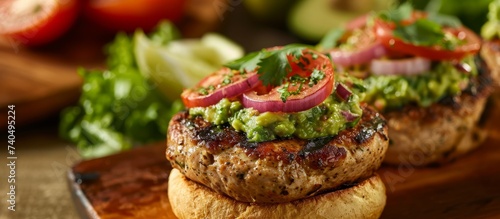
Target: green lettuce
{"x": 119, "y": 107}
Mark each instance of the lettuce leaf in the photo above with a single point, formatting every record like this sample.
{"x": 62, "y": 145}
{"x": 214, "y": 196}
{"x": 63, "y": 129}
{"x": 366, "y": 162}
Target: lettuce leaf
{"x": 119, "y": 107}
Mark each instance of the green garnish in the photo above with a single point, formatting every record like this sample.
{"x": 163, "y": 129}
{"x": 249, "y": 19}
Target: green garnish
{"x": 422, "y": 32}
{"x": 331, "y": 39}
{"x": 272, "y": 65}
{"x": 316, "y": 76}
{"x": 285, "y": 93}
{"x": 398, "y": 14}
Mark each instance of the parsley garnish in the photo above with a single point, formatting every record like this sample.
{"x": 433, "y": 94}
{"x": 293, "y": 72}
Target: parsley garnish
{"x": 272, "y": 65}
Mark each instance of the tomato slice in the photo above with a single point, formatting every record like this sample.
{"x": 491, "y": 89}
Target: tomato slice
{"x": 127, "y": 15}
{"x": 36, "y": 22}
{"x": 471, "y": 43}
{"x": 225, "y": 83}
{"x": 303, "y": 96}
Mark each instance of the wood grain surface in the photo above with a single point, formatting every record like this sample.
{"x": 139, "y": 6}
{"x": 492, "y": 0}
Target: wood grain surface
{"x": 133, "y": 184}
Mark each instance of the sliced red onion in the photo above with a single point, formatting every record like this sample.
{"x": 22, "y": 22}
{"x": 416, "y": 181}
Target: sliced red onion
{"x": 264, "y": 103}
{"x": 409, "y": 66}
{"x": 350, "y": 117}
{"x": 462, "y": 67}
{"x": 350, "y": 58}
{"x": 232, "y": 90}
{"x": 343, "y": 92}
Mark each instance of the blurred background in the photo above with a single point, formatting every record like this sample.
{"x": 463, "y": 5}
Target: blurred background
{"x": 90, "y": 78}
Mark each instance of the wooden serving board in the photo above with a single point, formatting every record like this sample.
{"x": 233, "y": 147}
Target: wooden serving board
{"x": 133, "y": 184}
{"x": 41, "y": 81}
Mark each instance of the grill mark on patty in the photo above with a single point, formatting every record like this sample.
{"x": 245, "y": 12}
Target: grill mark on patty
{"x": 316, "y": 153}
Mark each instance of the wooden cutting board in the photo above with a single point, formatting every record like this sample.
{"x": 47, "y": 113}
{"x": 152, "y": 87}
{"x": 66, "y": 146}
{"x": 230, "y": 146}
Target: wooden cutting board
{"x": 41, "y": 81}
{"x": 133, "y": 184}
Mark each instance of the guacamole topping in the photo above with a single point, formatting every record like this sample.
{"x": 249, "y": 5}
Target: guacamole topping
{"x": 325, "y": 119}
{"x": 395, "y": 91}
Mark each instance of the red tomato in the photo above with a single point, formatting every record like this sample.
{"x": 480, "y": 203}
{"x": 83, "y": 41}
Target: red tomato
{"x": 471, "y": 45}
{"x": 127, "y": 15}
{"x": 306, "y": 98}
{"x": 36, "y": 22}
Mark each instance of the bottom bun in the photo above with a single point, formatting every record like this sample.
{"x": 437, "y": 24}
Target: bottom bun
{"x": 192, "y": 200}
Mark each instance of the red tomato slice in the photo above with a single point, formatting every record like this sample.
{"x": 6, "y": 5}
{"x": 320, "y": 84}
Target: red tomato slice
{"x": 127, "y": 15}
{"x": 471, "y": 45}
{"x": 36, "y": 22}
{"x": 306, "y": 98}
{"x": 224, "y": 83}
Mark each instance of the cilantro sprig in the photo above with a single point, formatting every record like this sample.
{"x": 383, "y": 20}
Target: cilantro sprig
{"x": 423, "y": 31}
{"x": 272, "y": 65}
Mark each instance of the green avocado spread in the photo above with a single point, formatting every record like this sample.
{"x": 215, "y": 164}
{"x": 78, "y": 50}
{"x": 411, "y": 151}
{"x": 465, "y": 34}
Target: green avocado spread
{"x": 394, "y": 91}
{"x": 326, "y": 119}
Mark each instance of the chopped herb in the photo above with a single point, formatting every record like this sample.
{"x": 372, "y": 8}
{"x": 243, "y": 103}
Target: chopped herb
{"x": 206, "y": 90}
{"x": 272, "y": 65}
{"x": 316, "y": 76}
{"x": 227, "y": 79}
{"x": 203, "y": 91}
{"x": 285, "y": 93}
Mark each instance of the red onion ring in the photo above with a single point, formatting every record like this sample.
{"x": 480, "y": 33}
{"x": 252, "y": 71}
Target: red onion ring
{"x": 262, "y": 103}
{"x": 192, "y": 99}
{"x": 349, "y": 58}
{"x": 343, "y": 92}
{"x": 409, "y": 66}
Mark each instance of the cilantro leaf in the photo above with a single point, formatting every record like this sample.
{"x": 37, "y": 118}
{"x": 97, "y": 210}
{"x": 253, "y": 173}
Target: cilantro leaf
{"x": 275, "y": 66}
{"x": 272, "y": 65}
{"x": 246, "y": 63}
{"x": 444, "y": 20}
{"x": 331, "y": 39}
{"x": 398, "y": 14}
{"x": 422, "y": 32}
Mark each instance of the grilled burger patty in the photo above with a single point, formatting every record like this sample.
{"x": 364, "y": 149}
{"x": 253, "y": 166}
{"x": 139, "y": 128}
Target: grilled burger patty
{"x": 276, "y": 171}
{"x": 445, "y": 130}
{"x": 490, "y": 52}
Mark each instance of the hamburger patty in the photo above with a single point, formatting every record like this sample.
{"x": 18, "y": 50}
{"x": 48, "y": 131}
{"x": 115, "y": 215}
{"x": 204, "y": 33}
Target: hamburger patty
{"x": 490, "y": 52}
{"x": 445, "y": 130}
{"x": 276, "y": 171}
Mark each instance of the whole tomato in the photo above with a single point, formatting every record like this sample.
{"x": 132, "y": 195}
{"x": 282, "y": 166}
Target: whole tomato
{"x": 127, "y": 15}
{"x": 36, "y": 22}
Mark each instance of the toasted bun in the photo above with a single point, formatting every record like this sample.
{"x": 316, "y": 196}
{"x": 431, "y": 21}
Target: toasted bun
{"x": 192, "y": 200}
{"x": 437, "y": 134}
